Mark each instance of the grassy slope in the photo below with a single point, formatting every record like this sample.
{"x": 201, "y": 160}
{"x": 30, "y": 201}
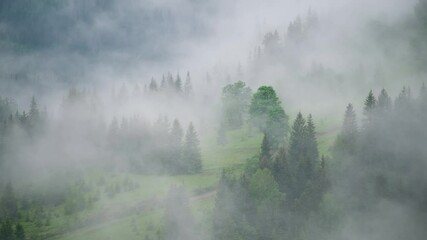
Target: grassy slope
{"x": 148, "y": 222}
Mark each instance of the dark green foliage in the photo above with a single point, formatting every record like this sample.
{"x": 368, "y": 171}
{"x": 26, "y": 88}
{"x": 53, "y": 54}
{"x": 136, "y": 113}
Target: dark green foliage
{"x": 265, "y": 157}
{"x": 236, "y": 98}
{"x": 368, "y": 110}
{"x": 274, "y": 197}
{"x": 267, "y": 114}
{"x": 19, "y": 232}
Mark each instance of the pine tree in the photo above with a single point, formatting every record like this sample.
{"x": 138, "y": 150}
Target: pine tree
{"x": 296, "y": 146}
{"x": 384, "y": 101}
{"x": 188, "y": 88}
{"x": 19, "y": 232}
{"x": 346, "y": 140}
{"x": 311, "y": 141}
{"x": 191, "y": 151}
{"x": 280, "y": 171}
{"x": 265, "y": 157}
{"x": 178, "y": 84}
{"x": 34, "y": 114}
{"x": 153, "y": 85}
{"x": 369, "y": 108}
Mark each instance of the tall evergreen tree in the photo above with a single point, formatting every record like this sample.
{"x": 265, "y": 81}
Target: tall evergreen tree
{"x": 346, "y": 140}
{"x": 191, "y": 151}
{"x": 369, "y": 108}
{"x": 384, "y": 101}
{"x": 265, "y": 157}
{"x": 19, "y": 232}
{"x": 311, "y": 141}
{"x": 178, "y": 84}
{"x": 296, "y": 145}
{"x": 188, "y": 87}
{"x": 153, "y": 85}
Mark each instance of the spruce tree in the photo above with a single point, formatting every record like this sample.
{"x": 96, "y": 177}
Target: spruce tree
{"x": 296, "y": 146}
{"x": 188, "y": 88}
{"x": 153, "y": 85}
{"x": 369, "y": 108}
{"x": 384, "y": 101}
{"x": 178, "y": 84}
{"x": 311, "y": 141}
{"x": 19, "y": 232}
{"x": 265, "y": 157}
{"x": 346, "y": 140}
{"x": 191, "y": 151}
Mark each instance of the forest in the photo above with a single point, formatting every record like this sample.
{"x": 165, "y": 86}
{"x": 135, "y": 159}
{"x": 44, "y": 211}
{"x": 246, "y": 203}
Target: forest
{"x": 195, "y": 120}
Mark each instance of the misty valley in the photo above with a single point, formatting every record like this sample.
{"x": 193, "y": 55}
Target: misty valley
{"x": 213, "y": 120}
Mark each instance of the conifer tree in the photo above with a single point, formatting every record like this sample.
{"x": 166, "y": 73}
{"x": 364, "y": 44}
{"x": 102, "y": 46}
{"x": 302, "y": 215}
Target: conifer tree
{"x": 34, "y": 114}
{"x": 19, "y": 232}
{"x": 369, "y": 108}
{"x": 296, "y": 146}
{"x": 178, "y": 84}
{"x": 191, "y": 151}
{"x": 346, "y": 140}
{"x": 265, "y": 157}
{"x": 311, "y": 141}
{"x": 153, "y": 85}
{"x": 188, "y": 88}
{"x": 384, "y": 101}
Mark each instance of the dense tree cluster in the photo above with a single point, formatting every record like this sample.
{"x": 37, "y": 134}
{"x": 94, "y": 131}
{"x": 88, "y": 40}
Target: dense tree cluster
{"x": 384, "y": 159}
{"x": 280, "y": 190}
{"x": 155, "y": 148}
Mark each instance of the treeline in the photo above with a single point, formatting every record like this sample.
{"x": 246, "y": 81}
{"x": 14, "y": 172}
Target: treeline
{"x": 155, "y": 148}
{"x": 383, "y": 159}
{"x": 167, "y": 87}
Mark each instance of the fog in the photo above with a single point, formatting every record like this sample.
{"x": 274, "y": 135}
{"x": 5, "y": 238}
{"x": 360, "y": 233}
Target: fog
{"x": 128, "y": 90}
